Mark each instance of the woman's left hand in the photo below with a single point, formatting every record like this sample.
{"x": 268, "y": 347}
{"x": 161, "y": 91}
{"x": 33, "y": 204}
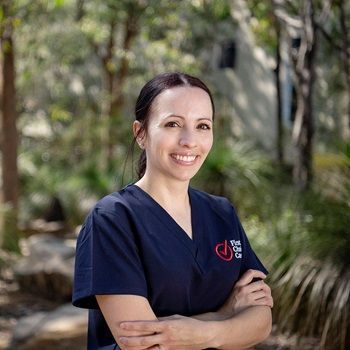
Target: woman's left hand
{"x": 173, "y": 332}
{"x": 246, "y": 293}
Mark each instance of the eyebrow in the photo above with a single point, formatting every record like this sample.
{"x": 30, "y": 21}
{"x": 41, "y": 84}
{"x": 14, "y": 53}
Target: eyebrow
{"x": 180, "y": 116}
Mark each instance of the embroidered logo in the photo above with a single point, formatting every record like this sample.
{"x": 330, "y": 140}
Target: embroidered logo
{"x": 226, "y": 251}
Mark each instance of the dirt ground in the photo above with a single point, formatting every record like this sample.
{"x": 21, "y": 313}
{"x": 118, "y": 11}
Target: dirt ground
{"x": 15, "y": 304}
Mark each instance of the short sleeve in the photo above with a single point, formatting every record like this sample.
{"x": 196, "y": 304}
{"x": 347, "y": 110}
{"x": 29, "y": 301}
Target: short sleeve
{"x": 107, "y": 259}
{"x": 249, "y": 258}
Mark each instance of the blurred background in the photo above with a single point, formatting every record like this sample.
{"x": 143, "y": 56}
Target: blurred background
{"x": 279, "y": 70}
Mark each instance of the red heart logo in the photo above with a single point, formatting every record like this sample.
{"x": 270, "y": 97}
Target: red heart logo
{"x": 224, "y": 251}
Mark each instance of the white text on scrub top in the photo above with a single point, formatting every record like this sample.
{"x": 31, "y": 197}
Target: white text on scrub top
{"x": 237, "y": 248}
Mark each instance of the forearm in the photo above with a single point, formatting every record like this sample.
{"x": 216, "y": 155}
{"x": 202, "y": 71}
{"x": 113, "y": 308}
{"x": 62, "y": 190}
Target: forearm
{"x": 212, "y": 316}
{"x": 121, "y": 308}
{"x": 223, "y": 313}
{"x": 210, "y": 330}
{"x": 242, "y": 330}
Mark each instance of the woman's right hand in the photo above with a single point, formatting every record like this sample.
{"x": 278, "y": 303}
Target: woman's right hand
{"x": 246, "y": 293}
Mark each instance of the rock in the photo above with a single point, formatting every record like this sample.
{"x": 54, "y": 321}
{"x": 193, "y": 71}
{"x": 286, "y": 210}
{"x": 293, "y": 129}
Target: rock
{"x": 47, "y": 267}
{"x": 46, "y": 245}
{"x": 63, "y": 328}
{"x": 41, "y": 226}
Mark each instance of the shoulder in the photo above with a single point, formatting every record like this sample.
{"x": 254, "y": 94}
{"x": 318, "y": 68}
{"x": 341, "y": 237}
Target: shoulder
{"x": 112, "y": 213}
{"x": 115, "y": 208}
{"x": 111, "y": 203}
{"x": 219, "y": 204}
{"x": 116, "y": 203}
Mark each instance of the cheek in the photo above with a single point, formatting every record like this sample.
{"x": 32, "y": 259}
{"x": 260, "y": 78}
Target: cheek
{"x": 159, "y": 142}
{"x": 208, "y": 144}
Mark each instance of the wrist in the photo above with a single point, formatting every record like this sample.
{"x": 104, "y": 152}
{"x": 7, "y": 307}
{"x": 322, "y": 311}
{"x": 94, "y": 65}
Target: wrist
{"x": 211, "y": 331}
{"x": 224, "y": 313}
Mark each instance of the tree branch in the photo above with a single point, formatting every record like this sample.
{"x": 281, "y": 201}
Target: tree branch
{"x": 80, "y": 10}
{"x": 130, "y": 31}
{"x": 293, "y": 22}
{"x": 345, "y": 31}
{"x": 328, "y": 37}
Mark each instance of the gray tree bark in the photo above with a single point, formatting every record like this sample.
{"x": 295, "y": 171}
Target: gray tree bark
{"x": 303, "y": 130}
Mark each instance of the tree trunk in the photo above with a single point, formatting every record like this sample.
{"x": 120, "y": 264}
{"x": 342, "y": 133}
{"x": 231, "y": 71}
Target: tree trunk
{"x": 9, "y": 145}
{"x": 114, "y": 77}
{"x": 279, "y": 138}
{"x": 115, "y": 83}
{"x": 345, "y": 55}
{"x": 109, "y": 73}
{"x": 303, "y": 129}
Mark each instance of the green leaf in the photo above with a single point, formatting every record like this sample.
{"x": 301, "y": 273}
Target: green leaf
{"x": 59, "y": 3}
{"x": 59, "y": 114}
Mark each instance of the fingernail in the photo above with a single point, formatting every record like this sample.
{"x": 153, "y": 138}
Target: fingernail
{"x": 123, "y": 325}
{"x": 122, "y": 339}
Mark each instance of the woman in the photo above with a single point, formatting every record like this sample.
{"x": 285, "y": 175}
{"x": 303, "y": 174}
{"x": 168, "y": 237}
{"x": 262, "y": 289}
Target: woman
{"x": 159, "y": 264}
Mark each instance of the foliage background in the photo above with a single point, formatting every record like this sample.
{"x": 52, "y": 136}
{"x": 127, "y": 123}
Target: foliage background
{"x": 66, "y": 117}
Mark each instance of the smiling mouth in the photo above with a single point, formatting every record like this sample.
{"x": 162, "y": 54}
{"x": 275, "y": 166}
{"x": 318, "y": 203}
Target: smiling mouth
{"x": 184, "y": 159}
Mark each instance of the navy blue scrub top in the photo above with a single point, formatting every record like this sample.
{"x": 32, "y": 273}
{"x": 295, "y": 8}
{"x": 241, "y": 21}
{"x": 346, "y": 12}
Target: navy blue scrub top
{"x": 129, "y": 244}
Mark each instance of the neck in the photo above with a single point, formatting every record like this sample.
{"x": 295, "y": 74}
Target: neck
{"x": 168, "y": 192}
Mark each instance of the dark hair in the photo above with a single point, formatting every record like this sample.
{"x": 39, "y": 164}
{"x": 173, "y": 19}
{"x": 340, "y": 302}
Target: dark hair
{"x": 147, "y": 95}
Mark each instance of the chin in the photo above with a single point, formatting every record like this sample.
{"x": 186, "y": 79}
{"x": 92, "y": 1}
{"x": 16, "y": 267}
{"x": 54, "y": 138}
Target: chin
{"x": 184, "y": 177}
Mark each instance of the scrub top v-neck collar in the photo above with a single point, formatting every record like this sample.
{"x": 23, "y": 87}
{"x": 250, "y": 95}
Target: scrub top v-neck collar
{"x": 169, "y": 222}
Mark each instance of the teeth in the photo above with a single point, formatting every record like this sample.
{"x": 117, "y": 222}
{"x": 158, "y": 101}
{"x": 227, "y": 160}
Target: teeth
{"x": 184, "y": 158}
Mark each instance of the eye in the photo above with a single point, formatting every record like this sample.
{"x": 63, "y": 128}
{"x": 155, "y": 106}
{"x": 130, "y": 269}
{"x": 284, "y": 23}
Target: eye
{"x": 172, "y": 124}
{"x": 204, "y": 126}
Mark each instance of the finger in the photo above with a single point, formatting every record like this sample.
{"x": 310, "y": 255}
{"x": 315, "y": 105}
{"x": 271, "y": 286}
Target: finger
{"x": 264, "y": 302}
{"x": 252, "y": 287}
{"x": 270, "y": 301}
{"x": 258, "y": 295}
{"x": 248, "y": 276}
{"x": 267, "y": 291}
{"x": 144, "y": 326}
{"x": 144, "y": 341}
{"x": 263, "y": 286}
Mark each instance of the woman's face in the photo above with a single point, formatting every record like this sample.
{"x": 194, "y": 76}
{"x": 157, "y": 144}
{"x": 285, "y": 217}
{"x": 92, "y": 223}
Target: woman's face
{"x": 179, "y": 134}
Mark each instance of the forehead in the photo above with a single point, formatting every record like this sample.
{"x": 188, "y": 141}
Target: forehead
{"x": 183, "y": 101}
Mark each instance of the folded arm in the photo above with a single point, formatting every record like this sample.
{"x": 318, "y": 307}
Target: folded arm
{"x": 244, "y": 320}
{"x": 118, "y": 308}
{"x": 243, "y": 330}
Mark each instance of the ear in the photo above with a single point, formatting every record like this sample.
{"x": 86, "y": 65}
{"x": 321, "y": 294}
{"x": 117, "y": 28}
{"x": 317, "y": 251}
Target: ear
{"x": 139, "y": 135}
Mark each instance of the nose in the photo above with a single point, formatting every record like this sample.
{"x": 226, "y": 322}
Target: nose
{"x": 187, "y": 139}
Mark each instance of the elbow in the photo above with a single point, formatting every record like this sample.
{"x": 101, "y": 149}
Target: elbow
{"x": 255, "y": 328}
{"x": 266, "y": 325}
{"x": 266, "y": 333}
{"x": 263, "y": 327}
